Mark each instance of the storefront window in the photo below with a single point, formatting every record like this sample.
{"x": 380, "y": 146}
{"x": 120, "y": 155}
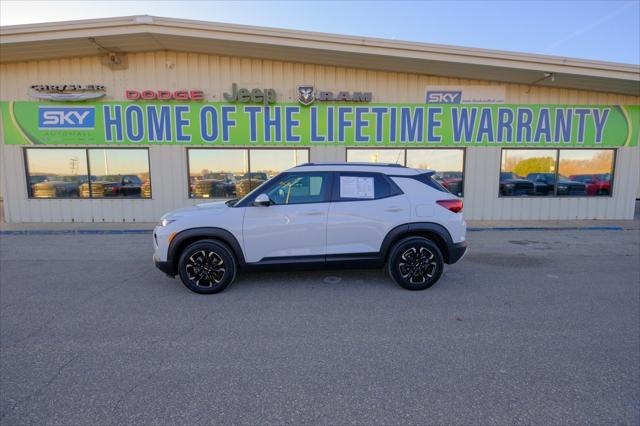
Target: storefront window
{"x": 233, "y": 173}
{"x": 55, "y": 173}
{"x": 118, "y": 173}
{"x": 390, "y": 156}
{"x": 447, "y": 163}
{"x": 64, "y": 173}
{"x": 591, "y": 167}
{"x": 552, "y": 172}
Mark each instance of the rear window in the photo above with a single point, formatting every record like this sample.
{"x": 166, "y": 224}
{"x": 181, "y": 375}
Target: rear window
{"x": 428, "y": 179}
{"x": 364, "y": 186}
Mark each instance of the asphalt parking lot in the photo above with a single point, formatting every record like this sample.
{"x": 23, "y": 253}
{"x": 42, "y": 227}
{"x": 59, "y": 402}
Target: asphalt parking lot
{"x": 533, "y": 327}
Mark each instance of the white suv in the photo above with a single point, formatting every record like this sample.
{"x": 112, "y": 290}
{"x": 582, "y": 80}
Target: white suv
{"x": 331, "y": 215}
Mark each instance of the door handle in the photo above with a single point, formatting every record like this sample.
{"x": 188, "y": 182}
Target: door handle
{"x": 313, "y": 213}
{"x": 394, "y": 209}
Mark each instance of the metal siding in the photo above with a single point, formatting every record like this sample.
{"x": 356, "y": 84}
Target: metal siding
{"x": 214, "y": 74}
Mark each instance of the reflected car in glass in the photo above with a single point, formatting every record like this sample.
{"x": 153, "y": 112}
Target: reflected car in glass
{"x": 452, "y": 181}
{"x": 512, "y": 185}
{"x": 112, "y": 186}
{"x": 545, "y": 182}
{"x": 55, "y": 187}
{"x": 596, "y": 184}
{"x": 214, "y": 185}
{"x": 249, "y": 182}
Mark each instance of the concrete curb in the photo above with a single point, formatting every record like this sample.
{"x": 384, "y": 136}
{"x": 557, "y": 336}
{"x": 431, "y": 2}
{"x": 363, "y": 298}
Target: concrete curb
{"x": 549, "y": 228}
{"x": 76, "y": 231}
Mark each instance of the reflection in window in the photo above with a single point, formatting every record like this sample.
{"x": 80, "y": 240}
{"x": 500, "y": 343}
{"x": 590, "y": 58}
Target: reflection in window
{"x": 56, "y": 173}
{"x": 592, "y": 168}
{"x": 214, "y": 173}
{"x": 447, "y": 163}
{"x": 390, "y": 156}
{"x": 526, "y": 172}
{"x": 118, "y": 173}
{"x": 224, "y": 173}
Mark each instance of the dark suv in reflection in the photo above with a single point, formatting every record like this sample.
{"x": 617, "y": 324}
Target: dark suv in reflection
{"x": 112, "y": 186}
{"x": 544, "y": 183}
{"x": 214, "y": 185}
{"x": 513, "y": 185}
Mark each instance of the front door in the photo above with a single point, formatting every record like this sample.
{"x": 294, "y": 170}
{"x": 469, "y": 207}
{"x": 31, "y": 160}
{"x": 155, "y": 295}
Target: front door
{"x": 295, "y": 224}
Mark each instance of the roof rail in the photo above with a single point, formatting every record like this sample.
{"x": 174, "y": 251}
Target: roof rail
{"x": 353, "y": 164}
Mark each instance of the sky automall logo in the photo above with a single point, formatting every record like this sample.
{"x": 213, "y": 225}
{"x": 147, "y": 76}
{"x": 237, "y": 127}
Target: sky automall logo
{"x": 66, "y": 118}
{"x": 444, "y": 97}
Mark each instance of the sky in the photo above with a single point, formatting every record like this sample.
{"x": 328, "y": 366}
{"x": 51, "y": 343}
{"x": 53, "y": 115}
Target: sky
{"x": 598, "y": 30}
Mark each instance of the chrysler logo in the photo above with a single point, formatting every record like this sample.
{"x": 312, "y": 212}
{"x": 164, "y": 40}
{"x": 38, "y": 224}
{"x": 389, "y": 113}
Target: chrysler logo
{"x": 67, "y": 92}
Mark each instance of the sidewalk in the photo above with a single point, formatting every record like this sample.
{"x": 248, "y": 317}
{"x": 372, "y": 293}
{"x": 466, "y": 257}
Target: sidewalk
{"x": 147, "y": 227}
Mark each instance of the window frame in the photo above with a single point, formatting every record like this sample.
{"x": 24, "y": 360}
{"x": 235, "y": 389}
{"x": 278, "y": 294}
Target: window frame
{"x": 557, "y": 173}
{"x": 248, "y": 149}
{"x": 25, "y": 157}
{"x": 406, "y": 155}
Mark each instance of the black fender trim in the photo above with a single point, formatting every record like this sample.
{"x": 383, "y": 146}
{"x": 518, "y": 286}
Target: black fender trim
{"x": 450, "y": 251}
{"x": 184, "y": 237}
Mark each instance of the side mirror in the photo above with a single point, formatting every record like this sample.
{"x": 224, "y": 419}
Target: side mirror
{"x": 262, "y": 200}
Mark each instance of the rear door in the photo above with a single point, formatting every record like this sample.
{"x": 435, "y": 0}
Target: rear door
{"x": 364, "y": 208}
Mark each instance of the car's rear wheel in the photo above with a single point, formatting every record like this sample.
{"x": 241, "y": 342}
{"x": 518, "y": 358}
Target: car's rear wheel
{"x": 207, "y": 267}
{"x": 415, "y": 263}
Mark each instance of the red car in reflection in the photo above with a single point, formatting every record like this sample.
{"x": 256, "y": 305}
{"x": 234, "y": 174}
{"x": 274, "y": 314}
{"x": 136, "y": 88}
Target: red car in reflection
{"x": 451, "y": 181}
{"x": 597, "y": 184}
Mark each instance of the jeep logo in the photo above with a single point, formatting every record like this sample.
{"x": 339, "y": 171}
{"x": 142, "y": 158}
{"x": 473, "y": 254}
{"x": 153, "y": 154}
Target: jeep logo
{"x": 265, "y": 96}
{"x": 60, "y": 118}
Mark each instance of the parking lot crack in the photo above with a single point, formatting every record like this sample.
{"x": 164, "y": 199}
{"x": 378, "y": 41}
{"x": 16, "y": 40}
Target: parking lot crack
{"x": 41, "y": 388}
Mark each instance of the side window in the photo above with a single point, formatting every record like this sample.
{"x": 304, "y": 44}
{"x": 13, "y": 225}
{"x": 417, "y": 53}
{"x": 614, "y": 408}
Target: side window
{"x": 363, "y": 186}
{"x": 299, "y": 188}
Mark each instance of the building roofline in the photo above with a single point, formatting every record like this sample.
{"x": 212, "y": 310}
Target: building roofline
{"x": 362, "y": 48}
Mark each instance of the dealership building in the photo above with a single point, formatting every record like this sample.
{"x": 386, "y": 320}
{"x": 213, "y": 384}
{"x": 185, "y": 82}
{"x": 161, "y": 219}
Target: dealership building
{"x": 123, "y": 119}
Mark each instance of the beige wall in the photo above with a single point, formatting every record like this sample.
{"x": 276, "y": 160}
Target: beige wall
{"x": 214, "y": 75}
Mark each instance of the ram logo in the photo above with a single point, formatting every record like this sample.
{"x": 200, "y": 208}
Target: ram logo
{"x": 444, "y": 97}
{"x": 66, "y": 118}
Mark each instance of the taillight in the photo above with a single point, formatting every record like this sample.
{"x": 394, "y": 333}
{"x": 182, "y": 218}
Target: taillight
{"x": 452, "y": 205}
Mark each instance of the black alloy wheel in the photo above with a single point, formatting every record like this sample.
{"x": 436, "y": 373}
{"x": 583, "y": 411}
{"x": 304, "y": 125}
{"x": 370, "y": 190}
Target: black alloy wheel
{"x": 415, "y": 263}
{"x": 207, "y": 267}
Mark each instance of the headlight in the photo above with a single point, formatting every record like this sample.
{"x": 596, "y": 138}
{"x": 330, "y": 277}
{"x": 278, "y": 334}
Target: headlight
{"x": 509, "y": 185}
{"x": 165, "y": 222}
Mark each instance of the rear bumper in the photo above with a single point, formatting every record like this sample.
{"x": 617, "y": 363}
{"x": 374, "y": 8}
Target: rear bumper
{"x": 457, "y": 252}
{"x": 166, "y": 267}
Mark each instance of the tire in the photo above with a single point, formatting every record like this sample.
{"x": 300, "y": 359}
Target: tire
{"x": 401, "y": 263}
{"x": 216, "y": 258}
{"x": 602, "y": 192}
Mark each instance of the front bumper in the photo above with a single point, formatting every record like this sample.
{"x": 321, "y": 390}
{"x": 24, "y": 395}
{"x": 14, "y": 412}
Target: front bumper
{"x": 166, "y": 267}
{"x": 457, "y": 252}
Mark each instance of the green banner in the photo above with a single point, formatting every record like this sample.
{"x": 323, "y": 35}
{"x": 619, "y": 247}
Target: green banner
{"x": 223, "y": 124}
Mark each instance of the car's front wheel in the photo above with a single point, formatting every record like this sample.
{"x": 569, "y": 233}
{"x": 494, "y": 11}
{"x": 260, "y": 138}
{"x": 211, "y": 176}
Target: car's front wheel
{"x": 415, "y": 263}
{"x": 207, "y": 267}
